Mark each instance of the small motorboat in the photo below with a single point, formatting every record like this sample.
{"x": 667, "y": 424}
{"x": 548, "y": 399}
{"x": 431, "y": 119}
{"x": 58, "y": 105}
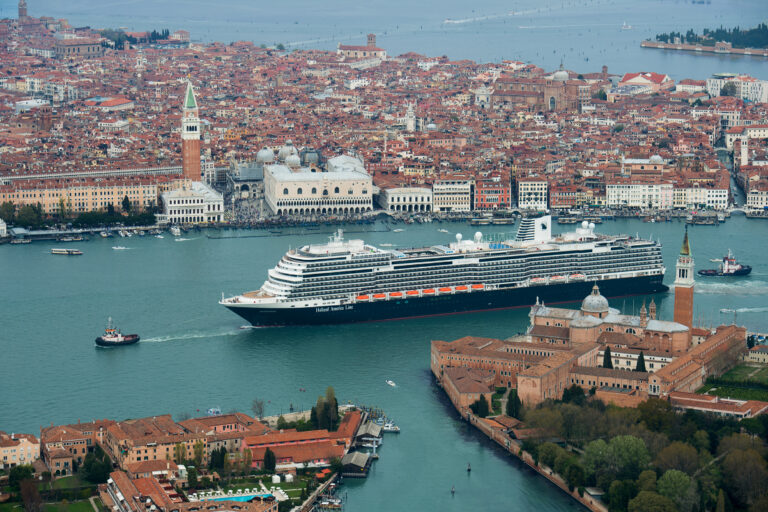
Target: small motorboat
{"x": 469, "y": 468}
{"x": 392, "y": 383}
{"x": 390, "y": 427}
{"x": 112, "y": 337}
{"x": 119, "y": 248}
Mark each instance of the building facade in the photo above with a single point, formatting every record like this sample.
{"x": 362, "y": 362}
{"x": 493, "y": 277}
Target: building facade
{"x": 452, "y": 195}
{"x": 406, "y": 199}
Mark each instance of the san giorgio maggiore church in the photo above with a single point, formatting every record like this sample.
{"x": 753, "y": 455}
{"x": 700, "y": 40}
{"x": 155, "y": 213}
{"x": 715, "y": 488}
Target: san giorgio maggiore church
{"x": 190, "y": 200}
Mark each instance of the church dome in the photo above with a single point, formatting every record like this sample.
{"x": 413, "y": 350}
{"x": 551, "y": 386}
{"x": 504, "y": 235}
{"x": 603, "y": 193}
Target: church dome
{"x": 656, "y": 159}
{"x": 594, "y": 302}
{"x": 560, "y": 76}
{"x": 293, "y": 161}
{"x": 265, "y": 156}
{"x": 287, "y": 150}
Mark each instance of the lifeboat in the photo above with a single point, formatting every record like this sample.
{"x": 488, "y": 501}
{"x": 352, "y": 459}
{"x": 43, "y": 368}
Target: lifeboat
{"x": 362, "y": 297}
{"x": 411, "y": 293}
{"x": 538, "y": 280}
{"x": 556, "y": 278}
{"x": 478, "y": 286}
{"x": 379, "y": 295}
{"x": 578, "y": 276}
{"x": 428, "y": 291}
{"x": 396, "y": 294}
{"x": 445, "y": 289}
{"x": 461, "y": 288}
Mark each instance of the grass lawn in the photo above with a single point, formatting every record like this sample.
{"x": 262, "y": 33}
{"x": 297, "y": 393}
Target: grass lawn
{"x": 75, "y": 506}
{"x": 742, "y": 372}
{"x": 11, "y": 507}
{"x": 68, "y": 482}
{"x": 740, "y": 393}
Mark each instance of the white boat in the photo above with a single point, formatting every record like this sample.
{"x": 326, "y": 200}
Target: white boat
{"x": 390, "y": 427}
{"x": 159, "y": 236}
{"x": 119, "y": 248}
{"x": 443, "y": 231}
{"x": 626, "y": 27}
{"x": 398, "y": 230}
{"x": 181, "y": 239}
{"x": 391, "y": 383}
{"x": 175, "y": 231}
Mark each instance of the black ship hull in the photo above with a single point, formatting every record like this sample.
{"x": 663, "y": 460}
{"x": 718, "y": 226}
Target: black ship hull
{"x": 445, "y": 304}
{"x": 129, "y": 340}
{"x": 743, "y": 271}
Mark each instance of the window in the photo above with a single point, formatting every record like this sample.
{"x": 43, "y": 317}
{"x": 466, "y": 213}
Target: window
{"x": 336, "y": 190}
{"x": 299, "y": 191}
{"x": 314, "y": 190}
{"x": 285, "y": 191}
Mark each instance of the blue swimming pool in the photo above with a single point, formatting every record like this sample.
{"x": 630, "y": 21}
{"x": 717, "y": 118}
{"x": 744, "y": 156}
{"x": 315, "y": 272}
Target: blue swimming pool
{"x": 240, "y": 497}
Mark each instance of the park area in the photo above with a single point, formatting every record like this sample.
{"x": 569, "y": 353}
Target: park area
{"x": 743, "y": 382}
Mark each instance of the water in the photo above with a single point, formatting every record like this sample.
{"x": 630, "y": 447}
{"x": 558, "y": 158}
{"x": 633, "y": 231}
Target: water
{"x": 582, "y": 34}
{"x": 194, "y": 354}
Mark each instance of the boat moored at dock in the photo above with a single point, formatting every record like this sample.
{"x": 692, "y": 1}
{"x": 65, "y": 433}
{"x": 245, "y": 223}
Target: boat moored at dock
{"x": 350, "y": 281}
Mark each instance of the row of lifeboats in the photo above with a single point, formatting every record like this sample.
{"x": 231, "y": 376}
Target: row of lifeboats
{"x": 421, "y": 293}
{"x": 558, "y": 279}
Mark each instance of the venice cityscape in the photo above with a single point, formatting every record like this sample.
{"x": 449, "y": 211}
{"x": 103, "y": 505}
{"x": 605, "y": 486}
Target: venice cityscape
{"x": 522, "y": 242}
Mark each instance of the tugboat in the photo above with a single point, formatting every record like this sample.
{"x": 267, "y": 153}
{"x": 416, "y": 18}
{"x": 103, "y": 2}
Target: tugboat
{"x": 728, "y": 267}
{"x": 112, "y": 337}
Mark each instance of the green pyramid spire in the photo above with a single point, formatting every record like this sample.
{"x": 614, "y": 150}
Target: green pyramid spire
{"x": 190, "y": 101}
{"x": 685, "y": 250}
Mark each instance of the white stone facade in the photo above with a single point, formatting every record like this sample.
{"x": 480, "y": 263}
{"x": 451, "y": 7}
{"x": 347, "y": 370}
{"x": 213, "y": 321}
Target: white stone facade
{"x": 639, "y": 195}
{"x": 452, "y": 195}
{"x": 193, "y": 202}
{"x": 532, "y": 194}
{"x": 406, "y": 199}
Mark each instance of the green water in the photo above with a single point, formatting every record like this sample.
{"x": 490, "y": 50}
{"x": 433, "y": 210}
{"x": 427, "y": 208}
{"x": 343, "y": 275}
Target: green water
{"x": 194, "y": 354}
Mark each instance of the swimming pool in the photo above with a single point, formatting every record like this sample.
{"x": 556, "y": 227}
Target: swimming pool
{"x": 240, "y": 497}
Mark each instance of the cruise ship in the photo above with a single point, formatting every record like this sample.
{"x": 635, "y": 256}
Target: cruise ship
{"x": 350, "y": 281}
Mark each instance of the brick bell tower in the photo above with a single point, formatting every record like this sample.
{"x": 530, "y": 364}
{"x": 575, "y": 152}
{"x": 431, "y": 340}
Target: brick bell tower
{"x": 22, "y": 9}
{"x": 190, "y": 136}
{"x": 684, "y": 285}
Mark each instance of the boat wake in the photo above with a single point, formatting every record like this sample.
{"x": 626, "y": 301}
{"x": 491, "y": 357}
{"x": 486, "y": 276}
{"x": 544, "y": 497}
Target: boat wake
{"x": 183, "y": 239}
{"x": 745, "y": 287}
{"x": 190, "y": 336}
{"x": 443, "y": 231}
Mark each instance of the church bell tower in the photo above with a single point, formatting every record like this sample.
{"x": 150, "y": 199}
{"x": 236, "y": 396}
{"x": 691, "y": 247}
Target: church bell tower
{"x": 22, "y": 9}
{"x": 684, "y": 285}
{"x": 190, "y": 136}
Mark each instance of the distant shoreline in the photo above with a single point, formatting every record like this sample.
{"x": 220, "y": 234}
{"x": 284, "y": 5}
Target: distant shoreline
{"x": 719, "y": 48}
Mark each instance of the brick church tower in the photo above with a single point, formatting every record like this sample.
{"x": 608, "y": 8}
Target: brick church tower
{"x": 684, "y": 285}
{"x": 190, "y": 136}
{"x": 22, "y": 9}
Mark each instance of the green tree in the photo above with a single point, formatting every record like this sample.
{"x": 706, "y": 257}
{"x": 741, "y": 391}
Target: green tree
{"x": 618, "y": 127}
{"x": 192, "y": 481}
{"x": 18, "y": 474}
{"x": 575, "y": 475}
{"x": 595, "y": 457}
{"x": 607, "y": 360}
{"x": 480, "y": 407}
{"x": 280, "y": 46}
{"x": 574, "y": 395}
{"x": 657, "y": 414}
{"x": 514, "y": 405}
{"x": 674, "y": 485}
{"x": 179, "y": 453}
{"x": 281, "y": 423}
{"x": 745, "y": 475}
{"x": 647, "y": 481}
{"x": 29, "y": 216}
{"x": 729, "y": 89}
{"x": 600, "y": 95}
{"x": 640, "y": 363}
{"x": 269, "y": 460}
{"x": 331, "y": 406}
{"x": 548, "y": 453}
{"x": 126, "y": 204}
{"x": 7, "y": 212}
{"x": 680, "y": 456}
{"x": 199, "y": 450}
{"x": 648, "y": 501}
{"x": 628, "y": 456}
{"x": 619, "y": 494}
{"x": 547, "y": 420}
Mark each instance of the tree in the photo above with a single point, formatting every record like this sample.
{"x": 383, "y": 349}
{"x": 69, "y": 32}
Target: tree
{"x": 729, "y": 89}
{"x": 548, "y": 453}
{"x": 574, "y": 394}
{"x": 674, "y": 485}
{"x": 657, "y": 414}
{"x": 179, "y": 453}
{"x": 281, "y": 423}
{"x": 596, "y": 457}
{"x": 7, "y": 211}
{"x": 745, "y": 475}
{"x": 514, "y": 405}
{"x": 647, "y": 481}
{"x": 198, "y": 450}
{"x": 619, "y": 494}
{"x": 680, "y": 456}
{"x": 618, "y": 127}
{"x": 18, "y": 474}
{"x": 269, "y": 460}
{"x": 257, "y": 406}
{"x": 280, "y": 46}
{"x": 480, "y": 407}
{"x": 600, "y": 95}
{"x": 607, "y": 361}
{"x": 628, "y": 456}
{"x": 331, "y": 407}
{"x": 29, "y": 216}
{"x": 126, "y": 204}
{"x": 30, "y": 496}
{"x": 97, "y": 466}
{"x": 192, "y": 481}
{"x": 575, "y": 475}
{"x": 648, "y": 501}
{"x": 640, "y": 363}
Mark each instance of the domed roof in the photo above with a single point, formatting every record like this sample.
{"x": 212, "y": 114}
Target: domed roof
{"x": 656, "y": 159}
{"x": 265, "y": 156}
{"x": 594, "y": 302}
{"x": 287, "y": 150}
{"x": 293, "y": 161}
{"x": 560, "y": 76}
